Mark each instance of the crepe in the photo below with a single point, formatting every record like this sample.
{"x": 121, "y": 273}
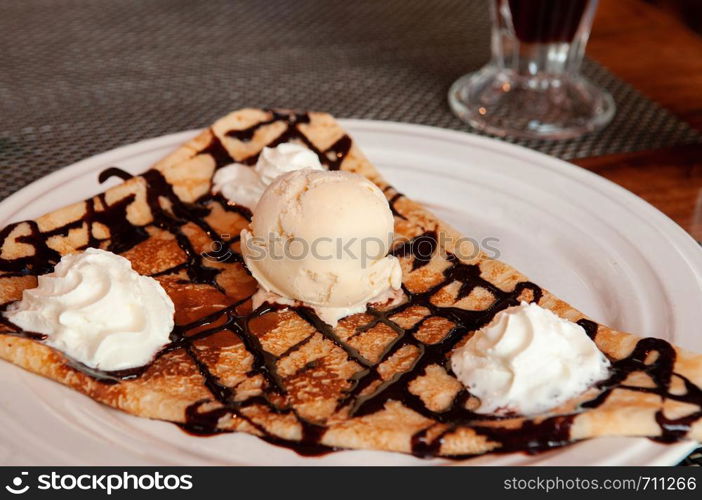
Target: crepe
{"x": 379, "y": 380}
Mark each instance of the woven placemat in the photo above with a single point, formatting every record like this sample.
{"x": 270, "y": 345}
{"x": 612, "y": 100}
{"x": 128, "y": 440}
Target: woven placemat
{"x": 83, "y": 76}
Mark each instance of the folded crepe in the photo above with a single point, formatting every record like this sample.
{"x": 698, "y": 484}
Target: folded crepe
{"x": 378, "y": 380}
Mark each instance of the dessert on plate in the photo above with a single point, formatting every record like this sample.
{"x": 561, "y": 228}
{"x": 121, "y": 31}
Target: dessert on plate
{"x": 264, "y": 278}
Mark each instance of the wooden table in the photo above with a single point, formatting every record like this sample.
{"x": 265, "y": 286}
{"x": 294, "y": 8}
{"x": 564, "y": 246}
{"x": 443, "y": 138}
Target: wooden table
{"x": 657, "y": 54}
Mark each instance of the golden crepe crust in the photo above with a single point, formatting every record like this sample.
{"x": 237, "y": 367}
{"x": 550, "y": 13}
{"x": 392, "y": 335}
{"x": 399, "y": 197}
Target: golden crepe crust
{"x": 316, "y": 374}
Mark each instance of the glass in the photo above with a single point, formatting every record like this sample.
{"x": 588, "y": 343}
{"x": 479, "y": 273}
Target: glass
{"x": 532, "y": 86}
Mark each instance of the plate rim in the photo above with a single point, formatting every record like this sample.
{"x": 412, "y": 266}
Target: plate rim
{"x": 687, "y": 247}
{"x": 562, "y": 166}
{"x": 568, "y": 169}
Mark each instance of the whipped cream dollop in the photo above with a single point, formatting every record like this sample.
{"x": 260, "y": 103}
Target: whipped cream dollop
{"x": 97, "y": 310}
{"x": 528, "y": 360}
{"x": 244, "y": 185}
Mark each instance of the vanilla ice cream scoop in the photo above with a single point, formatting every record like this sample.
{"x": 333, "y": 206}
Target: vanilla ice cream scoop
{"x": 322, "y": 238}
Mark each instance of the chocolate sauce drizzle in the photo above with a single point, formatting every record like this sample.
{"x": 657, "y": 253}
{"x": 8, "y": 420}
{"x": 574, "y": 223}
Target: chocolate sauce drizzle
{"x": 392, "y": 201}
{"x": 113, "y": 172}
{"x": 330, "y": 157}
{"x": 654, "y": 357}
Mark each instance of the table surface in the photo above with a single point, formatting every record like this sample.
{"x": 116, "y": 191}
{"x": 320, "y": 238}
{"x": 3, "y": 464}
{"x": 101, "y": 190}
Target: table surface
{"x": 657, "y": 54}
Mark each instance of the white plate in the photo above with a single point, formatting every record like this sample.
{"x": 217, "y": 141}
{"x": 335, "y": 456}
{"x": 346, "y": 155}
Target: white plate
{"x": 591, "y": 242}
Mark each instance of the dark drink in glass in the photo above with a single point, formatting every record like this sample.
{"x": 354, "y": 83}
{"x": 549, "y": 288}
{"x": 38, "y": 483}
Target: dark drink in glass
{"x": 546, "y": 21}
{"x": 532, "y": 86}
